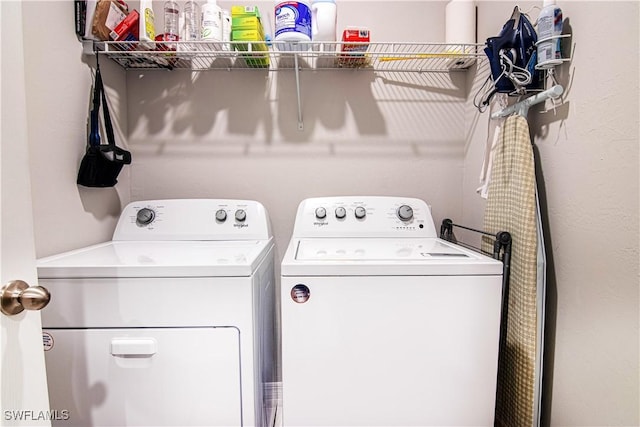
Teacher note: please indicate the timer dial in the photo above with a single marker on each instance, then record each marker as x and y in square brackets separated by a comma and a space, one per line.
[405, 212]
[221, 215]
[241, 215]
[145, 216]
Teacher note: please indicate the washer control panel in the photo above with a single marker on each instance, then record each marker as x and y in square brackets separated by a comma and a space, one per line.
[193, 219]
[374, 216]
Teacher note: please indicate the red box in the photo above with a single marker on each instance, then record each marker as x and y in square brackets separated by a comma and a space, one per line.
[127, 30]
[356, 55]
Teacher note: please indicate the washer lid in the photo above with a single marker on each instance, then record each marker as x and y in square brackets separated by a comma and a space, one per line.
[384, 257]
[158, 259]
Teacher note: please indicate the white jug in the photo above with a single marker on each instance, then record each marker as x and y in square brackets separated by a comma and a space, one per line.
[323, 20]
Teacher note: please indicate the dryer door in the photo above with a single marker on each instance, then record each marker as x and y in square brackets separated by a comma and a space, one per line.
[144, 376]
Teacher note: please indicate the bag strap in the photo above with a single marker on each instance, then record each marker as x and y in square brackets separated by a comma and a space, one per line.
[94, 134]
[107, 117]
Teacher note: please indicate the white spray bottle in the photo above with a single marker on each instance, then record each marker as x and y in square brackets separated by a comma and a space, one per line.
[549, 31]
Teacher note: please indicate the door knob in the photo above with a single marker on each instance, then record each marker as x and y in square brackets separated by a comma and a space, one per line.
[17, 296]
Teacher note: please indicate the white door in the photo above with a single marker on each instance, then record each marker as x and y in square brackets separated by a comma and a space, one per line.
[23, 387]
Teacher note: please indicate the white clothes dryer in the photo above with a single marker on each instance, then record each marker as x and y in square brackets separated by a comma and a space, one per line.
[383, 323]
[169, 324]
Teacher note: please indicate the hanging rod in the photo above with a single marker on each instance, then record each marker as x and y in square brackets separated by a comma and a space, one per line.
[522, 107]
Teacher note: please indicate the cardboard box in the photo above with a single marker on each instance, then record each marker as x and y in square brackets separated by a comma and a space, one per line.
[253, 60]
[107, 16]
[248, 36]
[127, 30]
[354, 55]
[245, 11]
[246, 23]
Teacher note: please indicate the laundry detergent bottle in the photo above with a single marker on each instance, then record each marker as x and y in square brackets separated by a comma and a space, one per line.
[549, 31]
[324, 15]
[293, 23]
[147, 29]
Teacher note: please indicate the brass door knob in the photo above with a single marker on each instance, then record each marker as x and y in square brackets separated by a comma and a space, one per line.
[17, 296]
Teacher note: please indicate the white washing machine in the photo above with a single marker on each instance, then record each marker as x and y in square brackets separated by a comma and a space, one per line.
[383, 323]
[169, 324]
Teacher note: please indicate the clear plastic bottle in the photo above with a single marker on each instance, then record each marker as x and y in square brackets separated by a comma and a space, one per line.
[171, 23]
[191, 21]
[226, 29]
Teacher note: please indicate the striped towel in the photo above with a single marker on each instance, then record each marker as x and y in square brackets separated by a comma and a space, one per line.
[511, 206]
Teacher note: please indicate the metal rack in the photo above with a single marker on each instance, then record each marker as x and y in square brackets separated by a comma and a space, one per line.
[394, 57]
[211, 56]
[501, 251]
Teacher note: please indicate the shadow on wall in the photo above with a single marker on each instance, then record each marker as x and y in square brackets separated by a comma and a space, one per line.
[184, 102]
[326, 98]
[101, 202]
[563, 75]
[551, 299]
[262, 106]
[193, 101]
[539, 128]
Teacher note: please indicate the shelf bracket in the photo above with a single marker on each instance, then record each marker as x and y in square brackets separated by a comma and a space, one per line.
[297, 71]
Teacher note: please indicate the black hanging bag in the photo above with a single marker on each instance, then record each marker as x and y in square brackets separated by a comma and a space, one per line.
[101, 163]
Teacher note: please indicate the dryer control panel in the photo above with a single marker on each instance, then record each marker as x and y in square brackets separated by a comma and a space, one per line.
[357, 216]
[193, 219]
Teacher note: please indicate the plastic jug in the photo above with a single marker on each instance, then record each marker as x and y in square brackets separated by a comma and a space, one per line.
[324, 14]
[293, 23]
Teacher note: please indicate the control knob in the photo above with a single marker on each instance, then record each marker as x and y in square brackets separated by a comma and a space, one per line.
[145, 216]
[221, 215]
[321, 213]
[360, 212]
[241, 215]
[341, 212]
[405, 212]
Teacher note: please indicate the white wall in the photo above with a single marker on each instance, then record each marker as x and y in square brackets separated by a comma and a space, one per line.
[234, 135]
[587, 156]
[59, 81]
[222, 134]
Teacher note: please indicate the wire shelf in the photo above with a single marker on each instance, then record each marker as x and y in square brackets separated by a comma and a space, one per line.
[276, 56]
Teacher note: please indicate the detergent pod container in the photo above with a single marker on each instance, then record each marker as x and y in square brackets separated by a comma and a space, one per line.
[512, 55]
[292, 24]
